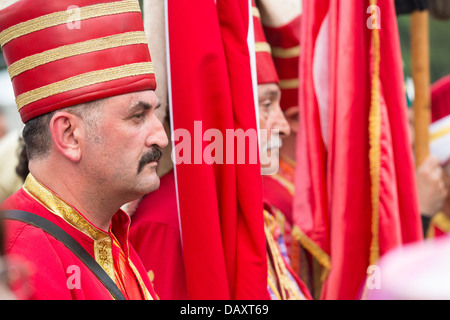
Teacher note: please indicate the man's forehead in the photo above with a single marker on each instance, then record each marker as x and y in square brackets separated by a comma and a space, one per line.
[147, 97]
[133, 102]
[143, 99]
[268, 90]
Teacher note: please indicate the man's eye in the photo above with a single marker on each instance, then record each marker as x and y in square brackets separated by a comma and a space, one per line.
[265, 104]
[139, 116]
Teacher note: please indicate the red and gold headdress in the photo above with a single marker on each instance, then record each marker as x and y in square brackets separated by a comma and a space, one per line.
[63, 53]
[439, 130]
[281, 25]
[265, 68]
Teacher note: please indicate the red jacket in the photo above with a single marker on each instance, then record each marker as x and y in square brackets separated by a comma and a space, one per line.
[155, 233]
[58, 273]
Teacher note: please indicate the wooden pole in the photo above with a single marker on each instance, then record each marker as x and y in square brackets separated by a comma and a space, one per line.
[420, 67]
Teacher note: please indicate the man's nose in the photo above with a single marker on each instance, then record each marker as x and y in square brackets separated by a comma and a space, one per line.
[157, 135]
[280, 123]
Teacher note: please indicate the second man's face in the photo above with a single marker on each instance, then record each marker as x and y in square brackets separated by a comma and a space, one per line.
[273, 126]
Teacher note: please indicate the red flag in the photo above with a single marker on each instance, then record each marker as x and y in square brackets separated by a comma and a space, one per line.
[355, 184]
[220, 205]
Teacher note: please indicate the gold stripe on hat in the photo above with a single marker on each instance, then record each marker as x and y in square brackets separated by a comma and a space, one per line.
[289, 84]
[440, 133]
[114, 41]
[292, 52]
[84, 80]
[61, 17]
[262, 47]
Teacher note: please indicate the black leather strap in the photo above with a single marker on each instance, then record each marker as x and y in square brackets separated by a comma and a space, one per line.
[52, 229]
[425, 224]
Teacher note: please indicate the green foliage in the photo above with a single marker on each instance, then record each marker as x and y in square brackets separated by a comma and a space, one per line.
[2, 61]
[439, 46]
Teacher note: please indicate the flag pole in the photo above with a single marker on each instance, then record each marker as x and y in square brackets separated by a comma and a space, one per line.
[420, 67]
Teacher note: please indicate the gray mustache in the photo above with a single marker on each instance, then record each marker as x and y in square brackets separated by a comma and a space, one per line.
[153, 155]
[274, 143]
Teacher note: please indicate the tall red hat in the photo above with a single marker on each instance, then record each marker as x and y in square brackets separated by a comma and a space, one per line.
[440, 118]
[265, 68]
[281, 25]
[440, 98]
[62, 53]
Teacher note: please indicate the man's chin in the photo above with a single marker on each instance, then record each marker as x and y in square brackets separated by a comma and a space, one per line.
[150, 183]
[148, 168]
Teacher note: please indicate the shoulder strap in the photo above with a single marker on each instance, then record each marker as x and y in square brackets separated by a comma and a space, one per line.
[52, 229]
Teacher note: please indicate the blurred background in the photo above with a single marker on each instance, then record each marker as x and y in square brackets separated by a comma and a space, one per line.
[439, 47]
[7, 102]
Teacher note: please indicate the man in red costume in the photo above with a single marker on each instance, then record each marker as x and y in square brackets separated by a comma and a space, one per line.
[272, 119]
[84, 86]
[355, 188]
[281, 24]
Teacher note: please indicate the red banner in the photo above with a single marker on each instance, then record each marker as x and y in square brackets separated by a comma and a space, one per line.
[355, 189]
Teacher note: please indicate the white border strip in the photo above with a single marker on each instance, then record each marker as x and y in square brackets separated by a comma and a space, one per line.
[170, 105]
[252, 54]
[6, 3]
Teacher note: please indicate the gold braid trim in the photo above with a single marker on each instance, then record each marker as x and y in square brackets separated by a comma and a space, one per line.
[144, 288]
[119, 274]
[287, 287]
[57, 206]
[61, 17]
[71, 50]
[441, 221]
[440, 133]
[374, 143]
[104, 257]
[289, 84]
[84, 80]
[292, 52]
[262, 47]
[321, 256]
[60, 208]
[288, 185]
[271, 277]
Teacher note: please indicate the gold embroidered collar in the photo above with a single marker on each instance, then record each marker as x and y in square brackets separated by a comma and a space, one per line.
[60, 208]
[57, 206]
[102, 240]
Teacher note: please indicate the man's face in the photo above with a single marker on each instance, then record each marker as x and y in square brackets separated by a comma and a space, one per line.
[273, 126]
[122, 154]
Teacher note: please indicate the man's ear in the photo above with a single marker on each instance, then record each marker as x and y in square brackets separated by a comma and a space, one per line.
[66, 130]
[292, 115]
